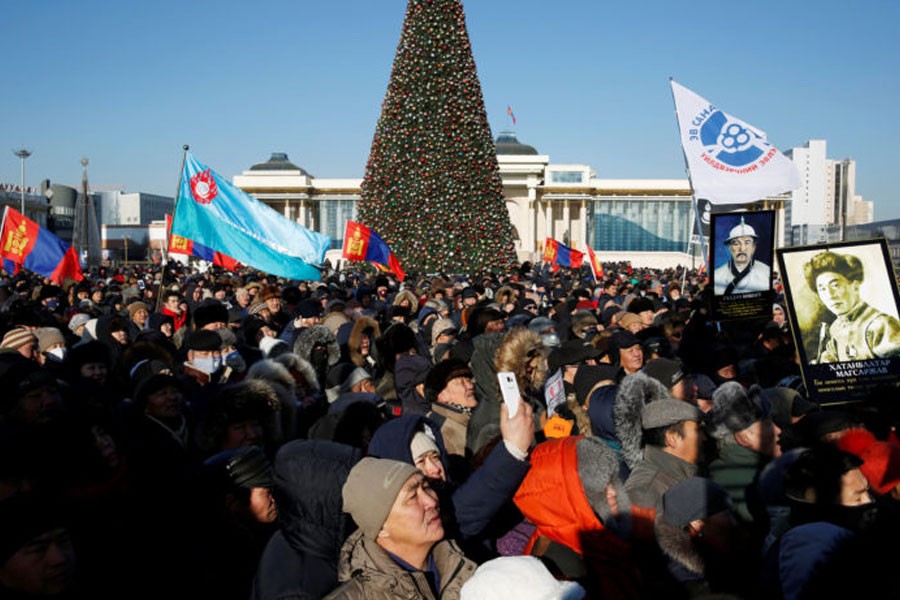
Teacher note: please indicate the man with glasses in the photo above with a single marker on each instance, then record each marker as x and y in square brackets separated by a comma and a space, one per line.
[742, 274]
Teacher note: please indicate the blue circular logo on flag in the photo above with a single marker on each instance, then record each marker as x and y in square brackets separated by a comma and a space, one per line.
[731, 142]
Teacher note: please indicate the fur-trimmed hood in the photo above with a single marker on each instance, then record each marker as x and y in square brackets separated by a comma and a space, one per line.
[406, 295]
[310, 336]
[360, 326]
[676, 543]
[513, 355]
[502, 291]
[294, 362]
[635, 391]
[278, 376]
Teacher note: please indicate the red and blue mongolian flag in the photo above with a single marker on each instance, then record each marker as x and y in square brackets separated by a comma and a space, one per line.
[557, 253]
[24, 243]
[361, 243]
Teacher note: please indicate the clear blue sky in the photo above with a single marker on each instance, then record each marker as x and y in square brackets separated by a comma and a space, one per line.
[128, 83]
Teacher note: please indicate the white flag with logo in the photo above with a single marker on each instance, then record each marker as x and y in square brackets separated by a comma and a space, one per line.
[730, 161]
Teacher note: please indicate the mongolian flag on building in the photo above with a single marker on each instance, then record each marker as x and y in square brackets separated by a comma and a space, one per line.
[595, 264]
[363, 244]
[182, 245]
[24, 243]
[557, 253]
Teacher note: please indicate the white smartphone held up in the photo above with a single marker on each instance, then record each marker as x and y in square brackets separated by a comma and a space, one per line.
[510, 390]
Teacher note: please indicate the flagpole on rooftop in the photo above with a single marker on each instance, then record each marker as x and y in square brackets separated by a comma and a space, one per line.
[165, 257]
[687, 168]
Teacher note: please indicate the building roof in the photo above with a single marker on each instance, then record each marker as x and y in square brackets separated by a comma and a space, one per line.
[278, 162]
[507, 143]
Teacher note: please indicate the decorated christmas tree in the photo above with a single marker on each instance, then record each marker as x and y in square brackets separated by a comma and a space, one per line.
[432, 188]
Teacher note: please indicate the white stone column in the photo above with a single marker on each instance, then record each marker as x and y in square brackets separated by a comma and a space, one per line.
[582, 217]
[302, 216]
[548, 220]
[567, 221]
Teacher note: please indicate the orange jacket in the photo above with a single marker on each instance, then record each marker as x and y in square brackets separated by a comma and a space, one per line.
[552, 497]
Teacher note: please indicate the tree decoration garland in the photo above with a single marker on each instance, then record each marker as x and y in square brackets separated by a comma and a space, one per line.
[432, 188]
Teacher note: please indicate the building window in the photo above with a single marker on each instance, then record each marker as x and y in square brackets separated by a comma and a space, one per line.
[566, 177]
[640, 225]
[335, 214]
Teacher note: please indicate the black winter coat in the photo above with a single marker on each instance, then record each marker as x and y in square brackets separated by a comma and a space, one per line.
[300, 561]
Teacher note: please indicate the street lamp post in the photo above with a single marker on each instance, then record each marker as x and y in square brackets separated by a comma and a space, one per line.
[22, 153]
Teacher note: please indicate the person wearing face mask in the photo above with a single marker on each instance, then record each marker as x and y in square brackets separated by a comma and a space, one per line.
[545, 328]
[831, 506]
[230, 355]
[49, 298]
[204, 355]
[51, 347]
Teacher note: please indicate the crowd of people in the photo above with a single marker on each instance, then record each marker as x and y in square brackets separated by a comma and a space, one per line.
[166, 432]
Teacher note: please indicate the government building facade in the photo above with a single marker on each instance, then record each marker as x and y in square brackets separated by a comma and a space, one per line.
[649, 222]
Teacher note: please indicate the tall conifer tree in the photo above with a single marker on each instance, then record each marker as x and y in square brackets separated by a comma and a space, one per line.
[432, 188]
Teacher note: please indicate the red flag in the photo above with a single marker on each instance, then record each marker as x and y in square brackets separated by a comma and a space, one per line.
[596, 265]
[510, 113]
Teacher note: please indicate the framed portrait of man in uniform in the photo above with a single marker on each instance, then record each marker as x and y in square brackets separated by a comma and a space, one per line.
[843, 304]
[741, 251]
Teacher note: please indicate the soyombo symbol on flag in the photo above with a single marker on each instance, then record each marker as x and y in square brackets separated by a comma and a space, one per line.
[213, 212]
[361, 243]
[562, 255]
[24, 242]
[729, 160]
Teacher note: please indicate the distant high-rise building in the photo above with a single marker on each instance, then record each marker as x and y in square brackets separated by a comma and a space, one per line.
[826, 196]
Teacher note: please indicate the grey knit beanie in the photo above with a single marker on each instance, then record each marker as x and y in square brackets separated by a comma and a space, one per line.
[371, 488]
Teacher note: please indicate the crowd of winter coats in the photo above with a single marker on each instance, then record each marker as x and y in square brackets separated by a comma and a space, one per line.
[190, 434]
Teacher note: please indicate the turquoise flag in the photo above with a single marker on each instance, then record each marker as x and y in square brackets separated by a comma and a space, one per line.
[217, 214]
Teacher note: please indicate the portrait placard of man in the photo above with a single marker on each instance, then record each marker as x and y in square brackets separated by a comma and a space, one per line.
[740, 268]
[741, 252]
[859, 331]
[843, 302]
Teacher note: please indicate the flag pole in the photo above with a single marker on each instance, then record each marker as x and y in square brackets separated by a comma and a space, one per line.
[3, 226]
[687, 168]
[184, 149]
[3, 221]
